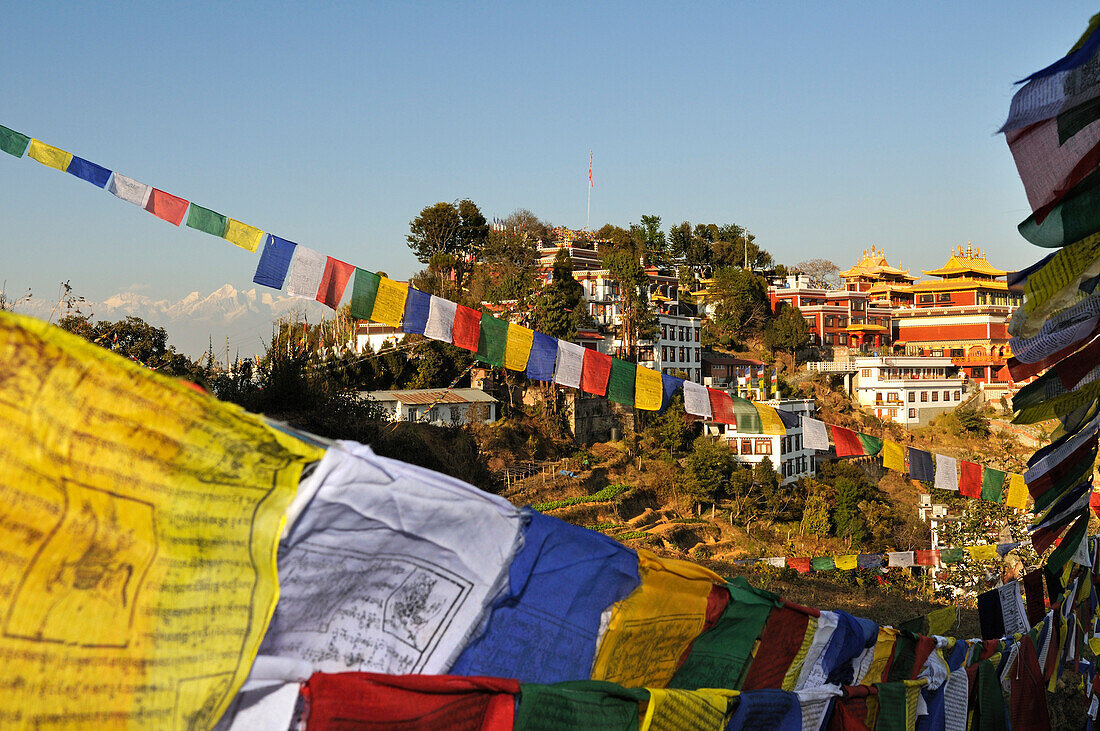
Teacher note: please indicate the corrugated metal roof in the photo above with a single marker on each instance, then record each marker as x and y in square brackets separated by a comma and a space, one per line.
[431, 395]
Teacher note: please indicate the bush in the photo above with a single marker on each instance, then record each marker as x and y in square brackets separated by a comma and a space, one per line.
[707, 469]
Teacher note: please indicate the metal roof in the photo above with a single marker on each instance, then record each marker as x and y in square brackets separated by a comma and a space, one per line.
[432, 395]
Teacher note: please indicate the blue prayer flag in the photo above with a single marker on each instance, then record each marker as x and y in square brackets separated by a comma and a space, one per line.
[540, 364]
[97, 175]
[849, 640]
[773, 709]
[869, 560]
[417, 304]
[670, 385]
[274, 262]
[543, 629]
[920, 465]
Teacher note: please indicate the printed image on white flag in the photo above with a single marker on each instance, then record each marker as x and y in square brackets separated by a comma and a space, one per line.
[129, 190]
[947, 473]
[306, 271]
[814, 434]
[567, 370]
[389, 567]
[696, 400]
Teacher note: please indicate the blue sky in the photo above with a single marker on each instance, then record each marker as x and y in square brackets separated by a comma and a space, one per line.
[822, 129]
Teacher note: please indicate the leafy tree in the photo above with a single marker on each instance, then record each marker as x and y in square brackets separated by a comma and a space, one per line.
[815, 516]
[651, 240]
[636, 318]
[788, 330]
[707, 469]
[847, 519]
[820, 273]
[135, 339]
[741, 306]
[972, 421]
[711, 245]
[448, 236]
[668, 431]
[560, 309]
[685, 286]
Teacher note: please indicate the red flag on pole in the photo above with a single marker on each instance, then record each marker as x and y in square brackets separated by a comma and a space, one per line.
[590, 168]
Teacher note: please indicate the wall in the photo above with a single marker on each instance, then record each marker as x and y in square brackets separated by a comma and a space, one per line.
[591, 419]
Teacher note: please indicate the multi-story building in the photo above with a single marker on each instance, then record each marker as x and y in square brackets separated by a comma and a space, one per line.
[677, 347]
[745, 377]
[851, 317]
[906, 389]
[788, 455]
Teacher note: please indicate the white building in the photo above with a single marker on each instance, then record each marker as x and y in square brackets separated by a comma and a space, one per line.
[910, 390]
[788, 455]
[437, 406]
[375, 335]
[677, 347]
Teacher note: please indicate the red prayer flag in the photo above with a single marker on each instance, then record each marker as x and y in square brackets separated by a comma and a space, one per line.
[926, 557]
[333, 282]
[847, 442]
[1094, 503]
[167, 206]
[467, 328]
[595, 370]
[970, 479]
[779, 643]
[801, 565]
[721, 407]
[353, 700]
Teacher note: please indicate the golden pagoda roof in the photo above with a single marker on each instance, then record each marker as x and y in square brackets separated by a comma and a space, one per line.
[873, 264]
[970, 261]
[887, 287]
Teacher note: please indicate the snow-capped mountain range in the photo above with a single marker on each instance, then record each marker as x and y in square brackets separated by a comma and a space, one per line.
[245, 316]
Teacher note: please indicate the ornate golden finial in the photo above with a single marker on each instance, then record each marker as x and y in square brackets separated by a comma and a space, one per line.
[969, 251]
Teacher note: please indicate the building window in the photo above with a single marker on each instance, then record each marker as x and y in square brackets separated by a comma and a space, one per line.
[943, 297]
[892, 413]
[912, 413]
[763, 446]
[924, 298]
[746, 446]
[923, 396]
[912, 396]
[866, 373]
[958, 395]
[696, 334]
[732, 443]
[935, 395]
[946, 395]
[697, 352]
[977, 372]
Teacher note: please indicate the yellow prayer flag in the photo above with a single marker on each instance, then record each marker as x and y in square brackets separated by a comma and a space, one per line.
[1017, 492]
[988, 552]
[912, 694]
[651, 628]
[770, 423]
[941, 621]
[139, 540]
[245, 236]
[648, 389]
[884, 650]
[791, 677]
[50, 156]
[672, 709]
[847, 563]
[893, 456]
[517, 348]
[389, 303]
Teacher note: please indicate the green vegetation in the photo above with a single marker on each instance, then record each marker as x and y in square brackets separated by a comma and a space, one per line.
[605, 495]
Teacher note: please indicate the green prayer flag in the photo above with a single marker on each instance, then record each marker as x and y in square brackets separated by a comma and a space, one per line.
[748, 418]
[719, 657]
[871, 445]
[1073, 477]
[12, 142]
[364, 288]
[993, 482]
[620, 386]
[823, 563]
[1074, 218]
[990, 711]
[1071, 540]
[492, 340]
[951, 555]
[895, 701]
[593, 704]
[206, 220]
[905, 655]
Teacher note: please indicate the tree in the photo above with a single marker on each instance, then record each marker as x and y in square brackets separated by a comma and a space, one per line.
[707, 469]
[636, 319]
[711, 245]
[652, 241]
[135, 339]
[508, 261]
[560, 309]
[815, 516]
[448, 236]
[820, 273]
[788, 330]
[741, 306]
[669, 430]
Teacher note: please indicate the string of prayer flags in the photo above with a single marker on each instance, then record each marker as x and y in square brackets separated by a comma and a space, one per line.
[920, 465]
[12, 142]
[466, 330]
[389, 302]
[88, 171]
[648, 389]
[517, 349]
[242, 235]
[570, 364]
[166, 206]
[129, 190]
[721, 407]
[364, 290]
[696, 400]
[48, 155]
[595, 370]
[306, 271]
[947, 474]
[333, 282]
[540, 363]
[620, 384]
[210, 222]
[492, 340]
[274, 262]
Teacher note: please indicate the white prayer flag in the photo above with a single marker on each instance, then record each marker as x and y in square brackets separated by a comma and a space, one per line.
[815, 703]
[1012, 608]
[129, 190]
[389, 568]
[814, 434]
[567, 370]
[956, 693]
[441, 319]
[306, 271]
[696, 399]
[901, 559]
[778, 561]
[814, 673]
[947, 473]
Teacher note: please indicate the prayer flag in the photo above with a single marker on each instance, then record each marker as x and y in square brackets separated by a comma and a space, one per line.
[1036, 596]
[49, 155]
[767, 708]
[129, 190]
[893, 456]
[620, 385]
[517, 348]
[569, 365]
[580, 704]
[927, 557]
[648, 389]
[705, 708]
[847, 562]
[304, 278]
[721, 407]
[333, 281]
[1050, 166]
[869, 560]
[823, 563]
[770, 423]
[800, 564]
[987, 552]
[466, 332]
[97, 175]
[540, 364]
[901, 559]
[492, 340]
[559, 583]
[389, 303]
[418, 306]
[780, 642]
[814, 434]
[989, 615]
[441, 319]
[595, 370]
[748, 418]
[274, 262]
[871, 445]
[669, 386]
[951, 555]
[992, 485]
[364, 289]
[208, 221]
[696, 400]
[167, 206]
[12, 142]
[920, 465]
[242, 235]
[1068, 218]
[1017, 492]
[656, 624]
[846, 441]
[970, 479]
